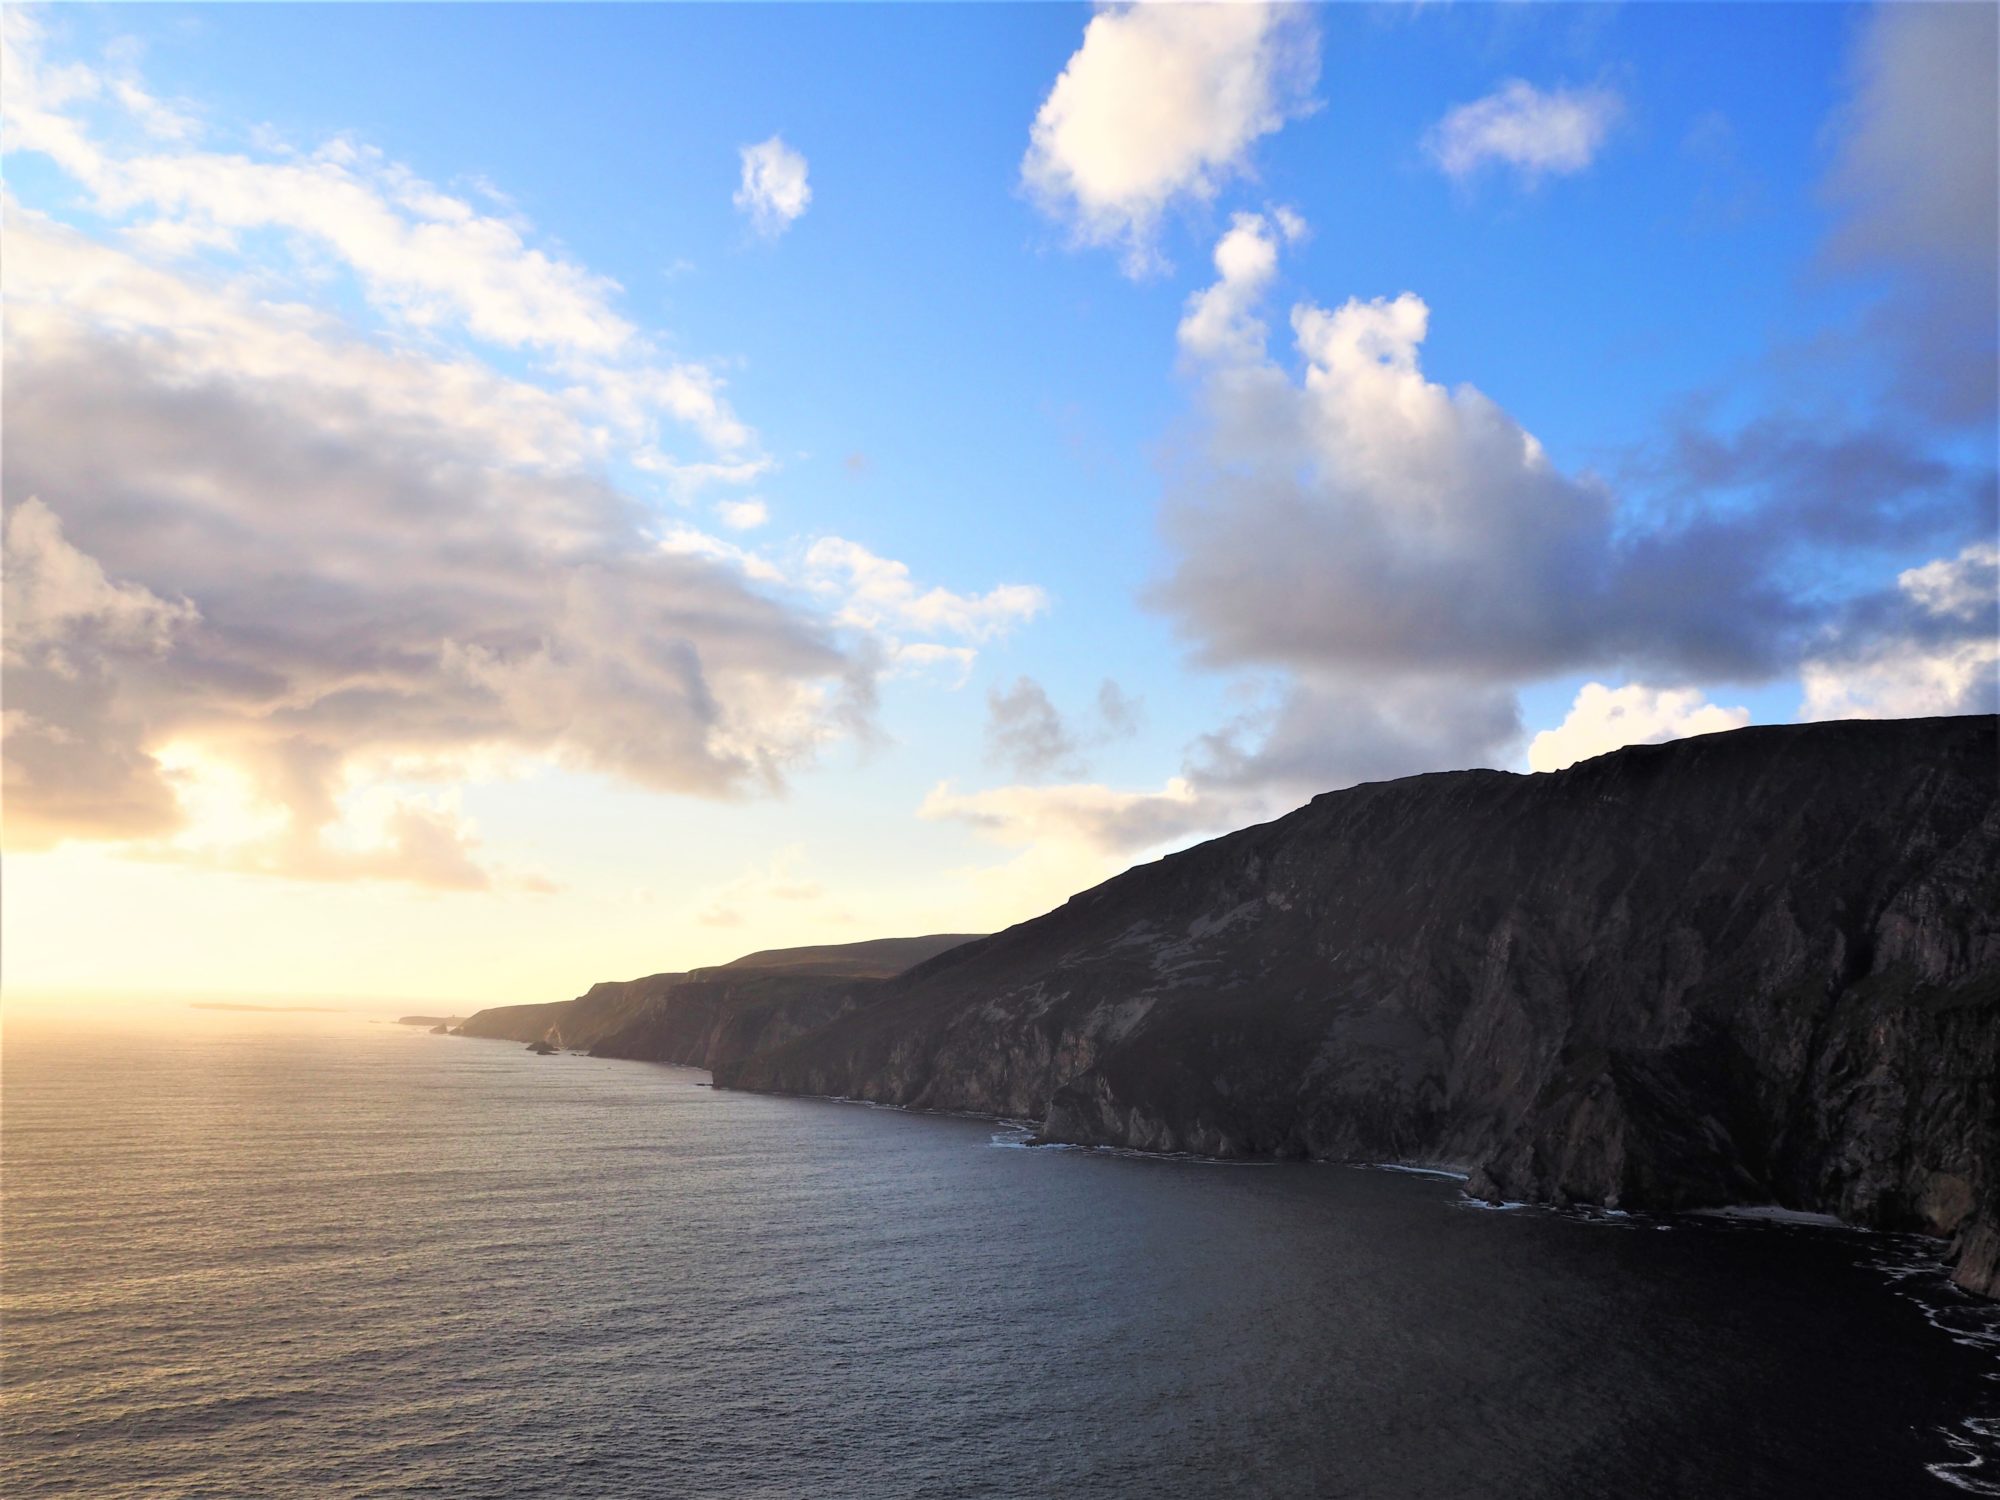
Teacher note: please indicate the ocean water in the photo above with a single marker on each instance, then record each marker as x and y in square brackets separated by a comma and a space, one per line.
[364, 1260]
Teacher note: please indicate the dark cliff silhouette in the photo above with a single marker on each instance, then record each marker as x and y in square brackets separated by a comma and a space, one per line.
[1753, 967]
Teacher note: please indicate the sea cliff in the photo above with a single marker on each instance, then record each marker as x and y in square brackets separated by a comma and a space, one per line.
[1760, 967]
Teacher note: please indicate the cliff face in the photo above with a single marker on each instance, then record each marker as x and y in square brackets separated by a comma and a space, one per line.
[575, 1024]
[1761, 966]
[733, 1009]
[722, 1014]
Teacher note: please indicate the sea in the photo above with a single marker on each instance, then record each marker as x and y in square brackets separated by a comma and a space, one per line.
[279, 1255]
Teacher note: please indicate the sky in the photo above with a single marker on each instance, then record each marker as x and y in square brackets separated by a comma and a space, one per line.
[502, 497]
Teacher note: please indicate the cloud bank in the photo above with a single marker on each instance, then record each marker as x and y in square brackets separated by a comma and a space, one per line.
[326, 574]
[315, 558]
[1919, 160]
[1393, 560]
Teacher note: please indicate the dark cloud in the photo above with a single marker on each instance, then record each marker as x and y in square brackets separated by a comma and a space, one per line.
[1918, 180]
[1118, 712]
[1783, 480]
[1026, 734]
[1327, 734]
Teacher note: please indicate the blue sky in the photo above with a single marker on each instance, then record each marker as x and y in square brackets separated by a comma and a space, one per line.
[1718, 261]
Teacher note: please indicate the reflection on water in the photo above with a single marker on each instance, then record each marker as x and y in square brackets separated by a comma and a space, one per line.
[278, 1258]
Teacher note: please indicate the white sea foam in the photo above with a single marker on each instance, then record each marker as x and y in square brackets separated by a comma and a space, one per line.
[1976, 1441]
[1916, 1271]
[1412, 1171]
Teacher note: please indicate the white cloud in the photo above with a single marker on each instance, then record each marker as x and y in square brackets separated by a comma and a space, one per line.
[1954, 588]
[373, 832]
[693, 542]
[1163, 102]
[1943, 657]
[427, 261]
[155, 117]
[774, 191]
[1220, 324]
[685, 481]
[743, 515]
[952, 664]
[875, 597]
[1603, 719]
[1518, 125]
[878, 594]
[1904, 679]
[60, 286]
[1363, 517]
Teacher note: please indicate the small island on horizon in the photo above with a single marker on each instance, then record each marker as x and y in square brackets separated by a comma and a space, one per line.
[245, 1005]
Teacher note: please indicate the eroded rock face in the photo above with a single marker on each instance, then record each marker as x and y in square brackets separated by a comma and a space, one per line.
[1759, 967]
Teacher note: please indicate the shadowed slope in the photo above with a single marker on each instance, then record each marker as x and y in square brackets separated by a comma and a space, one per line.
[750, 1002]
[1761, 966]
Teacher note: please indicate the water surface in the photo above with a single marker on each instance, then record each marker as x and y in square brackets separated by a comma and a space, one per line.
[369, 1261]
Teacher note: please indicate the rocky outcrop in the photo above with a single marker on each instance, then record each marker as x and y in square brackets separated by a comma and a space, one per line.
[1975, 1255]
[1754, 967]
